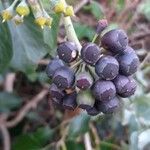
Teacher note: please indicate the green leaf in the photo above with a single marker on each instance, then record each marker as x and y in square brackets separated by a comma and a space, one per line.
[71, 145]
[9, 101]
[142, 105]
[144, 8]
[50, 35]
[95, 9]
[5, 47]
[28, 45]
[84, 31]
[33, 141]
[79, 125]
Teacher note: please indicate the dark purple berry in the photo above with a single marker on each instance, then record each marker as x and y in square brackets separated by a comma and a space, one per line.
[69, 101]
[67, 51]
[85, 100]
[115, 40]
[64, 78]
[102, 24]
[93, 111]
[125, 86]
[53, 66]
[128, 62]
[108, 107]
[90, 53]
[56, 94]
[84, 81]
[129, 50]
[107, 67]
[103, 90]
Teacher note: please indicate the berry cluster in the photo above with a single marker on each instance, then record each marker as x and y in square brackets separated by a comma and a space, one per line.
[94, 79]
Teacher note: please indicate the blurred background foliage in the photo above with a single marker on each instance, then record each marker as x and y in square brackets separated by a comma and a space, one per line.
[25, 51]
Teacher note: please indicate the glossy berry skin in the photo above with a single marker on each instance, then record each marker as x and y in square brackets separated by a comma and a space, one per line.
[125, 86]
[129, 50]
[69, 101]
[64, 78]
[84, 81]
[115, 40]
[53, 66]
[128, 62]
[107, 67]
[56, 94]
[103, 90]
[67, 51]
[93, 111]
[90, 53]
[108, 107]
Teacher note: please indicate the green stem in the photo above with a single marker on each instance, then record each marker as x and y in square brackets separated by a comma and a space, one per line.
[94, 38]
[14, 3]
[77, 63]
[110, 145]
[71, 34]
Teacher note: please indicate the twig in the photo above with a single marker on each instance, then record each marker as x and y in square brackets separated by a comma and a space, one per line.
[43, 62]
[32, 104]
[6, 137]
[9, 82]
[144, 61]
[96, 137]
[87, 142]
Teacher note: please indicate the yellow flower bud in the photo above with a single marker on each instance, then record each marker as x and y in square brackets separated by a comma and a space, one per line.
[59, 7]
[49, 21]
[7, 14]
[40, 21]
[23, 9]
[18, 20]
[69, 11]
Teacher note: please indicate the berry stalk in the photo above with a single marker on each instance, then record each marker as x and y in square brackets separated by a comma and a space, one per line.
[71, 34]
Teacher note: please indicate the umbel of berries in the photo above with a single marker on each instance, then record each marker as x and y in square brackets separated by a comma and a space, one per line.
[90, 79]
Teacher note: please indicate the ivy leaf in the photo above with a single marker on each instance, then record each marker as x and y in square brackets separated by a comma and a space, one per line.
[33, 141]
[9, 101]
[50, 35]
[144, 8]
[5, 47]
[84, 31]
[79, 125]
[95, 9]
[28, 45]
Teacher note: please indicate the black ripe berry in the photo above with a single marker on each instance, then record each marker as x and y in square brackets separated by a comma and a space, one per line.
[67, 51]
[128, 62]
[125, 86]
[90, 53]
[52, 66]
[64, 78]
[56, 94]
[107, 67]
[115, 40]
[103, 90]
[108, 107]
[84, 81]
[92, 111]
[129, 50]
[69, 101]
